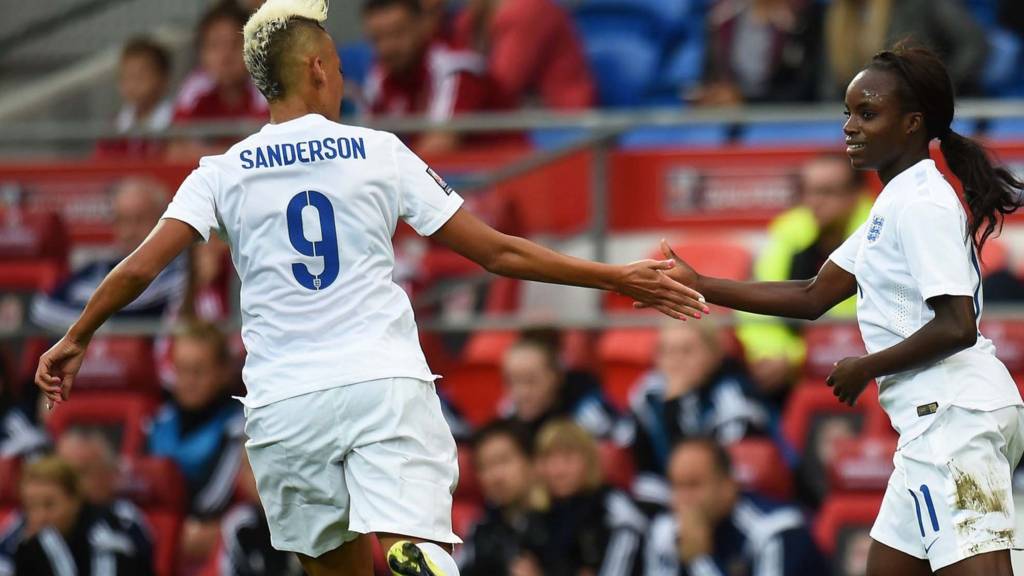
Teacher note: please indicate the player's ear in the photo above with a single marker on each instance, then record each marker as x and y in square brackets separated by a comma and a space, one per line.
[318, 74]
[912, 122]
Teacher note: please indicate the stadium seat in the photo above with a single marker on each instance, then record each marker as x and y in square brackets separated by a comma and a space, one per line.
[356, 61]
[718, 257]
[33, 251]
[683, 66]
[823, 132]
[1008, 337]
[843, 512]
[475, 385]
[553, 138]
[995, 256]
[503, 295]
[469, 487]
[812, 401]
[158, 488]
[464, 516]
[828, 344]
[1004, 64]
[665, 15]
[617, 465]
[1006, 129]
[119, 363]
[37, 276]
[862, 464]
[120, 415]
[623, 356]
[759, 467]
[10, 473]
[624, 66]
[657, 137]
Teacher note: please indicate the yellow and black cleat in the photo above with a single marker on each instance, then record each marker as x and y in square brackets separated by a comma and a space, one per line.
[406, 559]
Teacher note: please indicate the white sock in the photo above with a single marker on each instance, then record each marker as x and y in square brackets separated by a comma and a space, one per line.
[440, 558]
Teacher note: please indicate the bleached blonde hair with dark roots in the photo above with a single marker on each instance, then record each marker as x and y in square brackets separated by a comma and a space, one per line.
[272, 17]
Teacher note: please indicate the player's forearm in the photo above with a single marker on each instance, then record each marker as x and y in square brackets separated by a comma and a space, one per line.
[123, 285]
[527, 260]
[790, 298]
[935, 341]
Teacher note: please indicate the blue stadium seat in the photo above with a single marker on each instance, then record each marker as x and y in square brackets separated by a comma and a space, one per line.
[683, 66]
[965, 127]
[624, 66]
[600, 23]
[1004, 69]
[666, 14]
[356, 61]
[694, 135]
[1006, 129]
[788, 133]
[551, 138]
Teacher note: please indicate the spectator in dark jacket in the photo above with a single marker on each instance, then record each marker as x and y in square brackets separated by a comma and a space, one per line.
[200, 428]
[511, 535]
[695, 390]
[65, 534]
[538, 389]
[591, 527]
[714, 530]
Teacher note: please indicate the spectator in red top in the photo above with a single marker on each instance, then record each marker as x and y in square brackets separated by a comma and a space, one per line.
[143, 79]
[532, 49]
[415, 76]
[439, 20]
[221, 88]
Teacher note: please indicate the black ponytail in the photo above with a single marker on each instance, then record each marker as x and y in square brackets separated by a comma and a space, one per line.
[991, 191]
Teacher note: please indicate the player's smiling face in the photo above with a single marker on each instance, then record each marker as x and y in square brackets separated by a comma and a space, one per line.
[877, 129]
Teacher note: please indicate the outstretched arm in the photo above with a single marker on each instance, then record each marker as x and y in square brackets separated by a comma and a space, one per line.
[805, 299]
[58, 366]
[519, 258]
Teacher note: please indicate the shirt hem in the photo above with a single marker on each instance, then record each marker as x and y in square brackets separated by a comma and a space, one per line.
[266, 400]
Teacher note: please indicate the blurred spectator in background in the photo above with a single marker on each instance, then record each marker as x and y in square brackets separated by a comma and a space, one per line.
[137, 205]
[532, 51]
[856, 29]
[200, 428]
[834, 204]
[439, 21]
[759, 51]
[414, 75]
[65, 534]
[695, 390]
[538, 389]
[591, 528]
[511, 535]
[92, 457]
[21, 435]
[812, 470]
[714, 530]
[144, 77]
[221, 88]
[245, 536]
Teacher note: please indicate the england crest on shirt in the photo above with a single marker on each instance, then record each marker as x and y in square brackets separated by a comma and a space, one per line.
[875, 229]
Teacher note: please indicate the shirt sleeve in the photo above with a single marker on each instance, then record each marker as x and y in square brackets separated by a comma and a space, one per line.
[193, 203]
[846, 255]
[933, 238]
[426, 201]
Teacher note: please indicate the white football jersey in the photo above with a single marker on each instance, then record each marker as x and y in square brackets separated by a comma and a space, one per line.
[914, 246]
[309, 207]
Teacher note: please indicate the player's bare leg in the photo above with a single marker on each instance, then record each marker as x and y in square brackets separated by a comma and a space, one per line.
[414, 561]
[354, 558]
[995, 563]
[887, 561]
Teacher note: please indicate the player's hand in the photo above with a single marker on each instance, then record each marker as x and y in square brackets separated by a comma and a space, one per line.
[848, 379]
[682, 272]
[646, 282]
[57, 369]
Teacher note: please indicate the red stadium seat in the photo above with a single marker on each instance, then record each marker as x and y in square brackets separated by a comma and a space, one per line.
[10, 475]
[464, 516]
[469, 487]
[862, 464]
[828, 344]
[758, 466]
[617, 465]
[36, 276]
[718, 257]
[624, 355]
[842, 512]
[1008, 336]
[475, 385]
[35, 236]
[122, 415]
[503, 295]
[813, 400]
[158, 488]
[119, 363]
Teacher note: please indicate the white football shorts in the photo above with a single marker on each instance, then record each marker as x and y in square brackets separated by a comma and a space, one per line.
[950, 496]
[370, 457]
